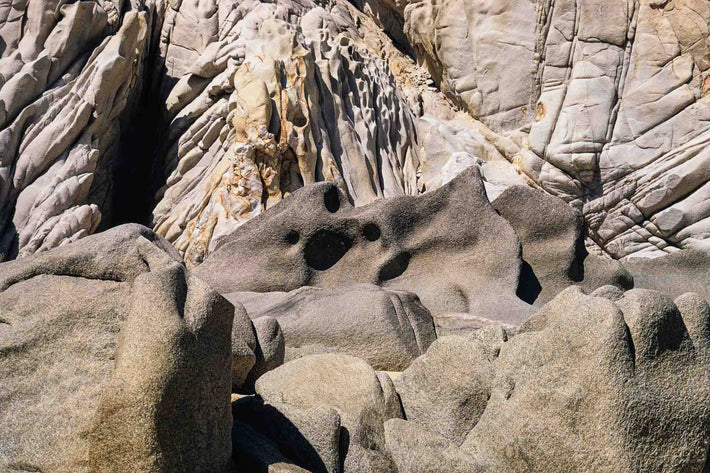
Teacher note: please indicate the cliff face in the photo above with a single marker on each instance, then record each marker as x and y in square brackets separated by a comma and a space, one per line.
[196, 116]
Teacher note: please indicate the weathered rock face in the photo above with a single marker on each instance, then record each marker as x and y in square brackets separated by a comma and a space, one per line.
[286, 95]
[387, 329]
[449, 247]
[346, 384]
[602, 380]
[67, 79]
[447, 389]
[611, 97]
[552, 237]
[600, 102]
[112, 359]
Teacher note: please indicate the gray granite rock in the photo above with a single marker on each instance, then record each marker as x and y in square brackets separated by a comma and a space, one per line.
[113, 359]
[448, 246]
[601, 379]
[386, 328]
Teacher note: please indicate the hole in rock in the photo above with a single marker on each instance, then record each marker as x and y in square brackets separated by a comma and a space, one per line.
[371, 232]
[529, 286]
[325, 248]
[331, 199]
[395, 267]
[292, 237]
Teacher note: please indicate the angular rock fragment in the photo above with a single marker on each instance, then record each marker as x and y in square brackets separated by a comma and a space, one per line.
[386, 328]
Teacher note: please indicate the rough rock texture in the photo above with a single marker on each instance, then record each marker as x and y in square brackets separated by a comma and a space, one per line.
[415, 449]
[69, 74]
[308, 437]
[285, 95]
[593, 385]
[554, 256]
[448, 246]
[79, 396]
[232, 105]
[341, 382]
[611, 98]
[675, 274]
[388, 329]
[447, 390]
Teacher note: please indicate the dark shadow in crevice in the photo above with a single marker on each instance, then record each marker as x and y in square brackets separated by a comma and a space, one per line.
[279, 431]
[529, 287]
[395, 267]
[331, 200]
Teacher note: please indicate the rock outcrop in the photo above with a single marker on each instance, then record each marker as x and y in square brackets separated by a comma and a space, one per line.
[449, 247]
[113, 359]
[611, 98]
[621, 384]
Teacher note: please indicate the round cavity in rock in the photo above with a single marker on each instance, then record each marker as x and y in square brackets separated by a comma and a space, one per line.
[331, 199]
[292, 237]
[394, 267]
[325, 248]
[371, 232]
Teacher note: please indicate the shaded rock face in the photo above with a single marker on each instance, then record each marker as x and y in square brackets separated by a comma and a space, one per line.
[387, 329]
[554, 256]
[112, 359]
[601, 379]
[449, 247]
[349, 386]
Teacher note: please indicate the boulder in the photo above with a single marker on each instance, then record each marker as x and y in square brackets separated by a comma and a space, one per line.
[308, 437]
[554, 257]
[414, 449]
[113, 359]
[341, 382]
[595, 385]
[447, 389]
[448, 246]
[253, 452]
[386, 328]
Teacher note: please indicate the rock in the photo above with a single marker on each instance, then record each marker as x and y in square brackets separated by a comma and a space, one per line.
[285, 95]
[554, 256]
[393, 405]
[341, 382]
[392, 327]
[65, 86]
[600, 379]
[447, 389]
[165, 407]
[244, 347]
[448, 246]
[675, 274]
[254, 452]
[270, 348]
[113, 359]
[415, 449]
[308, 437]
[586, 104]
